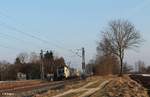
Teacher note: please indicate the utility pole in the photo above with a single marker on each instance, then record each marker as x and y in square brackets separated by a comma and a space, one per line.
[83, 60]
[42, 65]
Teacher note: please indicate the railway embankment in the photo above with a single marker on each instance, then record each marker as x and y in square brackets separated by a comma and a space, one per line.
[122, 87]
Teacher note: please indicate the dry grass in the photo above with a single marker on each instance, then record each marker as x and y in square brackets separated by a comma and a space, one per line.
[75, 85]
[69, 85]
[96, 84]
[74, 94]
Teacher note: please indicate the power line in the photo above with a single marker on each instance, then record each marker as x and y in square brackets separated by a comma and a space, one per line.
[16, 38]
[33, 36]
[26, 34]
[8, 47]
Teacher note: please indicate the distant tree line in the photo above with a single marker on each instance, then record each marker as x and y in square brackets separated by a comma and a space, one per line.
[30, 65]
[142, 68]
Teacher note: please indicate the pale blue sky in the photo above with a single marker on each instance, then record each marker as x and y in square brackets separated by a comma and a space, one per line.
[70, 24]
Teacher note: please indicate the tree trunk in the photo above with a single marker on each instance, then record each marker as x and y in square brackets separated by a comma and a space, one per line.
[121, 61]
[121, 66]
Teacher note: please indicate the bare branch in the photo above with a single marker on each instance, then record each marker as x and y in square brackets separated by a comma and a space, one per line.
[119, 36]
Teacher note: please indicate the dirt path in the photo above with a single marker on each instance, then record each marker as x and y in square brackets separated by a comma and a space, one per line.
[89, 91]
[93, 90]
[76, 90]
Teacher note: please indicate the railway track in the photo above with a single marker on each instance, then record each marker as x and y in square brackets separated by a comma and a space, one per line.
[30, 90]
[14, 84]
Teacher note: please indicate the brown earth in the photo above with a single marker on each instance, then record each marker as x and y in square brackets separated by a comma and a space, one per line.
[122, 87]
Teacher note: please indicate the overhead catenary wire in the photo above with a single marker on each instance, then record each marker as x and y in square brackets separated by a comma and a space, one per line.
[16, 38]
[14, 28]
[27, 34]
[11, 47]
[24, 33]
[34, 37]
[8, 47]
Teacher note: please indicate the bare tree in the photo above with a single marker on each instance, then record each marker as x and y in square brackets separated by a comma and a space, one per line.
[106, 64]
[23, 57]
[34, 58]
[121, 35]
[141, 66]
[106, 61]
[127, 68]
